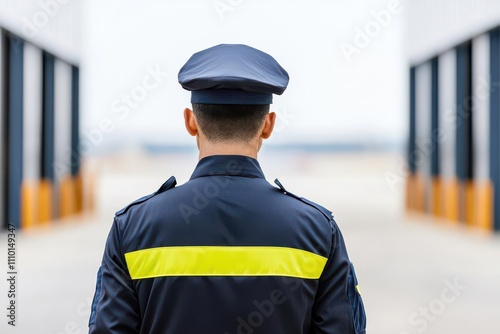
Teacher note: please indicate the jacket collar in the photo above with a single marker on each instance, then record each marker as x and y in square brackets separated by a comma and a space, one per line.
[229, 165]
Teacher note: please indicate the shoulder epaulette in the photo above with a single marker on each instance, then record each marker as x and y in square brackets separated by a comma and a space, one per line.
[169, 184]
[327, 213]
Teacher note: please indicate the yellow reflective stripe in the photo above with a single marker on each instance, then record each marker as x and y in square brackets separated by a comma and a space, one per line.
[224, 261]
[357, 288]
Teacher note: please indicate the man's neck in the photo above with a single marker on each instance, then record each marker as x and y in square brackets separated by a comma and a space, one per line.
[246, 149]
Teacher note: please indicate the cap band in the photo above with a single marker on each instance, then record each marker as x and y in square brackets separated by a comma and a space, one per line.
[230, 96]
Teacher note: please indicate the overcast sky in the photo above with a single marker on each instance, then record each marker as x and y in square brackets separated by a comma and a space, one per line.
[345, 85]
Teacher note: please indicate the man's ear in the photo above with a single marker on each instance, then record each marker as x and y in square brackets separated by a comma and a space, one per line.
[268, 125]
[190, 122]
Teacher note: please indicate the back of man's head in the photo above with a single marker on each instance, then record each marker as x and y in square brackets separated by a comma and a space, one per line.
[230, 122]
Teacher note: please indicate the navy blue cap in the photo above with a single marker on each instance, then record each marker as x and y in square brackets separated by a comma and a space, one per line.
[233, 74]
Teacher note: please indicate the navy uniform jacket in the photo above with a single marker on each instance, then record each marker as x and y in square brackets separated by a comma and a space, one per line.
[226, 253]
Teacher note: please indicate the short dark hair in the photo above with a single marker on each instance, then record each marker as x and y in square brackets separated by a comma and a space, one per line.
[230, 122]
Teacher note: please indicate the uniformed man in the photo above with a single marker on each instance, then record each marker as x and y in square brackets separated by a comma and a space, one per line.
[227, 252]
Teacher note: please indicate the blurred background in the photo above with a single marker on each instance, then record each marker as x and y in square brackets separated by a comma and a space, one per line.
[391, 120]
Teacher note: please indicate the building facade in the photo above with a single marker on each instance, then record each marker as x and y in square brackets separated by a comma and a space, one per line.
[40, 161]
[454, 104]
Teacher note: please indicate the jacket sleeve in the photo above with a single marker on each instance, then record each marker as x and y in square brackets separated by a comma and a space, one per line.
[115, 306]
[338, 307]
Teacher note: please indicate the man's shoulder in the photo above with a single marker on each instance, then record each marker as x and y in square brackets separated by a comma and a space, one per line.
[167, 185]
[328, 215]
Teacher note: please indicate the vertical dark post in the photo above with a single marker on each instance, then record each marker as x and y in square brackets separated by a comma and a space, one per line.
[437, 203]
[75, 140]
[75, 121]
[15, 130]
[47, 171]
[412, 168]
[46, 203]
[435, 170]
[464, 154]
[3, 130]
[412, 131]
[495, 124]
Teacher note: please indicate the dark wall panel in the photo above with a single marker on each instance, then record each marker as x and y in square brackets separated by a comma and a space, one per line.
[495, 123]
[412, 131]
[75, 121]
[15, 129]
[435, 171]
[464, 154]
[47, 166]
[3, 130]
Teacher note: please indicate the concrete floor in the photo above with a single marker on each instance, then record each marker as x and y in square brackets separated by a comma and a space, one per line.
[405, 264]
